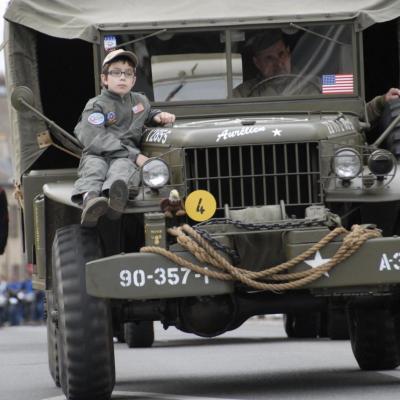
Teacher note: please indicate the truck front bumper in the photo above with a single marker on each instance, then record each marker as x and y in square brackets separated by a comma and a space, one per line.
[376, 263]
[148, 276]
[374, 266]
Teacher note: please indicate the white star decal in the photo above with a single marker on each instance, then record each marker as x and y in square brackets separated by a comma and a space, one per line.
[277, 132]
[317, 261]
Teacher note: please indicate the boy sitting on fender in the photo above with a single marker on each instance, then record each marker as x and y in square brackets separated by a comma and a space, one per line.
[110, 130]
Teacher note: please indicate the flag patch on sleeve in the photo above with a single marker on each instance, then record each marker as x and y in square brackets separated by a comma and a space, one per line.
[138, 108]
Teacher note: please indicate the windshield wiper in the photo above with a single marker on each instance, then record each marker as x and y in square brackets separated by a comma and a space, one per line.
[174, 91]
[318, 34]
[141, 38]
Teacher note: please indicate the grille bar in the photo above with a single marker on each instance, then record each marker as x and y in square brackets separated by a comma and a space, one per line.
[263, 172]
[256, 175]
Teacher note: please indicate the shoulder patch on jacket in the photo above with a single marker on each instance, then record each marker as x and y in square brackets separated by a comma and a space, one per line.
[96, 118]
[111, 118]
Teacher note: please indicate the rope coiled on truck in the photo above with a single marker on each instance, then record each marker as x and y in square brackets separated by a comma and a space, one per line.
[265, 279]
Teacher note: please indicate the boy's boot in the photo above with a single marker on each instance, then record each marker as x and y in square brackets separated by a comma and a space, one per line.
[118, 197]
[93, 208]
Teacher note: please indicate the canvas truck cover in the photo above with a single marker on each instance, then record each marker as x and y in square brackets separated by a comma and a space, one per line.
[84, 20]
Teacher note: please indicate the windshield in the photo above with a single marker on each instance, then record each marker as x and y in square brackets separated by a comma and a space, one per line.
[295, 60]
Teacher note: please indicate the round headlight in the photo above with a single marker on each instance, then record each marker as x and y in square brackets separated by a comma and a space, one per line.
[381, 162]
[347, 163]
[155, 173]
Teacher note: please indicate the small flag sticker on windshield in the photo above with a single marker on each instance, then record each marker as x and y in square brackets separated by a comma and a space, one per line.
[110, 42]
[337, 84]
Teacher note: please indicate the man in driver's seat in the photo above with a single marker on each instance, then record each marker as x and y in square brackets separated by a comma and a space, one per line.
[271, 56]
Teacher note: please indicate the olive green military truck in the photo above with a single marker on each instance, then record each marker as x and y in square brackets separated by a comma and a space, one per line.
[284, 201]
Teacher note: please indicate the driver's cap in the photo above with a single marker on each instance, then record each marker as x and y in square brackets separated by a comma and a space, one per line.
[266, 39]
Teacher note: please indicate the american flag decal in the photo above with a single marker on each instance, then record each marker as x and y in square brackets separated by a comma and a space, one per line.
[337, 84]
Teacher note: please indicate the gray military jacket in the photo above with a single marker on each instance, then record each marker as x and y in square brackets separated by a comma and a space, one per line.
[111, 126]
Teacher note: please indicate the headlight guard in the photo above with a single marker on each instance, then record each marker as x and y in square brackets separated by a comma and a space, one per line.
[381, 162]
[155, 173]
[347, 163]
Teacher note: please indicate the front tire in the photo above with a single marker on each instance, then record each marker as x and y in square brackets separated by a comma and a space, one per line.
[374, 337]
[85, 338]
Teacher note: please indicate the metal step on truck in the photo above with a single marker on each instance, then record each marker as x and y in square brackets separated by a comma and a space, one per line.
[273, 191]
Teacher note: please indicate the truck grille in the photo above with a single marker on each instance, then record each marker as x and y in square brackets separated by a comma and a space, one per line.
[256, 175]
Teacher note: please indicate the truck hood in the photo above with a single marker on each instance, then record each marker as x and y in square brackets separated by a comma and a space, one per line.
[239, 131]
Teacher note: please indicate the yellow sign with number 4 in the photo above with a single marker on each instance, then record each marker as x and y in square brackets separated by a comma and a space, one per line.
[200, 205]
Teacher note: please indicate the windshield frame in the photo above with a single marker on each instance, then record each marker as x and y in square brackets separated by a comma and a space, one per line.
[356, 48]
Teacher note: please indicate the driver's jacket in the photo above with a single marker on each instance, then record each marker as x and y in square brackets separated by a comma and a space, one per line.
[245, 88]
[254, 87]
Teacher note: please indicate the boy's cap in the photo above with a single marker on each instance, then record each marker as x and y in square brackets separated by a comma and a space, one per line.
[119, 53]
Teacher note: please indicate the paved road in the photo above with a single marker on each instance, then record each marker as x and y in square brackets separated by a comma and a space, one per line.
[253, 362]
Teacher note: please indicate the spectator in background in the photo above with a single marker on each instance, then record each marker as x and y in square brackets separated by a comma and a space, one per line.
[3, 220]
[28, 297]
[33, 300]
[15, 294]
[3, 300]
[38, 314]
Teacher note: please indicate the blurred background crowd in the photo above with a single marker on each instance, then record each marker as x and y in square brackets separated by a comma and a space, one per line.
[19, 302]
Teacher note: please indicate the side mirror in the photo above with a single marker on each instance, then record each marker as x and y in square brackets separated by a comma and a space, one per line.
[22, 98]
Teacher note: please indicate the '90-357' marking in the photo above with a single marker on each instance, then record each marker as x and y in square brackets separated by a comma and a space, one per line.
[161, 276]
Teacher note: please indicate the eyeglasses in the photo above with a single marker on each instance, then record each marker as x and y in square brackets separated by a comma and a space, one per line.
[116, 73]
